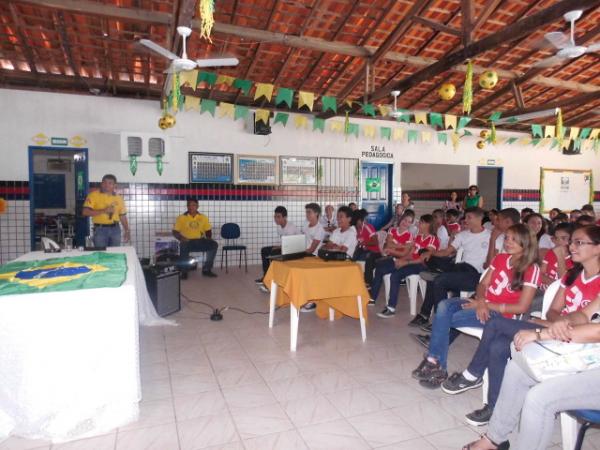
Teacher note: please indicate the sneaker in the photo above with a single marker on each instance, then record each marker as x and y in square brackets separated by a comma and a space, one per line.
[259, 281]
[371, 302]
[386, 313]
[457, 384]
[480, 417]
[263, 288]
[418, 321]
[428, 276]
[426, 328]
[422, 339]
[435, 380]
[309, 307]
[424, 370]
[209, 274]
[403, 282]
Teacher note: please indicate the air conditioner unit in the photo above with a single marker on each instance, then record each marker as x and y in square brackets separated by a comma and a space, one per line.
[144, 146]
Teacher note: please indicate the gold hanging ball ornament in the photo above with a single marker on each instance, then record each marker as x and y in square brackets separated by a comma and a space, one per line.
[447, 91]
[488, 79]
[161, 123]
[169, 120]
[484, 134]
[480, 145]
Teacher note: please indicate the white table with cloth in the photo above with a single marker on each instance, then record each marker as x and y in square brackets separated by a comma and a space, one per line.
[69, 360]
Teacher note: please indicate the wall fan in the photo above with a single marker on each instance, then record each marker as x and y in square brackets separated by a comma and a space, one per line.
[183, 63]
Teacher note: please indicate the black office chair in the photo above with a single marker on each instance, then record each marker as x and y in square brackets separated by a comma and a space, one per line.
[230, 232]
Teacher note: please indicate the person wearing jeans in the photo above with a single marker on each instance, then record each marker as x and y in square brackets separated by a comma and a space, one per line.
[507, 288]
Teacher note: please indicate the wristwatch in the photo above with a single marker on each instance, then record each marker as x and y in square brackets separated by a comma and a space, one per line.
[538, 334]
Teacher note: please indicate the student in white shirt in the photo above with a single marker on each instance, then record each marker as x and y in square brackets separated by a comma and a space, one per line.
[313, 231]
[440, 230]
[284, 228]
[344, 237]
[329, 220]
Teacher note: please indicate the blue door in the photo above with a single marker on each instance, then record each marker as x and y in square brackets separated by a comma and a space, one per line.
[376, 192]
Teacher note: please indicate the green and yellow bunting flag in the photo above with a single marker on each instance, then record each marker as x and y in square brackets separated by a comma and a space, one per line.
[281, 118]
[209, 78]
[243, 85]
[241, 112]
[284, 95]
[329, 103]
[318, 124]
[209, 106]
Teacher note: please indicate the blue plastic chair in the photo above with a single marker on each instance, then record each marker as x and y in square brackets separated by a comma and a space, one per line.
[230, 232]
[587, 417]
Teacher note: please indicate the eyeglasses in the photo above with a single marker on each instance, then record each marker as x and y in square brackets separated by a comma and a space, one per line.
[579, 243]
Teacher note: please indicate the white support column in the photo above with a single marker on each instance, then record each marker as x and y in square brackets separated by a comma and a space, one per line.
[272, 300]
[331, 314]
[363, 329]
[294, 319]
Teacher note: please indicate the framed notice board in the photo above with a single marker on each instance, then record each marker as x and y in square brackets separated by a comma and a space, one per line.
[211, 167]
[256, 169]
[565, 189]
[297, 170]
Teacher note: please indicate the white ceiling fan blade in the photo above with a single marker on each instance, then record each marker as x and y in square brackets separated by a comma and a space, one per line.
[217, 62]
[549, 62]
[558, 39]
[595, 47]
[172, 69]
[158, 49]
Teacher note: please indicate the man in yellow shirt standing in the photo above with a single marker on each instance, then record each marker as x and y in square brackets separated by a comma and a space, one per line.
[194, 233]
[107, 210]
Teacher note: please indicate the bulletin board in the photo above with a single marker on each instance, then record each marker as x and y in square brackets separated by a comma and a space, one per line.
[296, 170]
[256, 169]
[211, 167]
[565, 189]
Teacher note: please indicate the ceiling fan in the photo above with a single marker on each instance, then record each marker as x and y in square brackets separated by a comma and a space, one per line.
[568, 49]
[183, 63]
[395, 113]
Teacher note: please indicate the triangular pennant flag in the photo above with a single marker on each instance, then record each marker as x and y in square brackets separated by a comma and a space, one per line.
[263, 90]
[566, 143]
[450, 121]
[545, 141]
[262, 115]
[577, 144]
[281, 118]
[284, 95]
[337, 126]
[463, 122]
[442, 138]
[353, 128]
[349, 103]
[585, 132]
[536, 130]
[225, 79]
[468, 133]
[594, 134]
[574, 132]
[511, 140]
[398, 134]
[412, 135]
[385, 133]
[189, 78]
[329, 103]
[455, 141]
[209, 106]
[495, 116]
[243, 85]
[368, 109]
[306, 99]
[549, 131]
[300, 121]
[421, 117]
[369, 131]
[384, 110]
[319, 124]
[425, 137]
[192, 102]
[209, 78]
[226, 109]
[404, 116]
[241, 112]
[554, 143]
[535, 141]
[525, 141]
[435, 120]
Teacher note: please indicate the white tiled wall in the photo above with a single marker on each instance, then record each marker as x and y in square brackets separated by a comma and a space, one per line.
[14, 230]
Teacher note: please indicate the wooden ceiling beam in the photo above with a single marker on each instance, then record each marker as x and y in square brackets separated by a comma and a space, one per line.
[516, 90]
[467, 11]
[437, 26]
[25, 49]
[567, 102]
[485, 13]
[508, 34]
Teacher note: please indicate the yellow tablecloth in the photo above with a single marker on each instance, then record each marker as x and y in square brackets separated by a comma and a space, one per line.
[334, 284]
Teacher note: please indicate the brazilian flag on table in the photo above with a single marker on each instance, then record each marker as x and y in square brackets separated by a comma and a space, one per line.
[96, 270]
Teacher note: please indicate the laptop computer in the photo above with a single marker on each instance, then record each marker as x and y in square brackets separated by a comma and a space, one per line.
[292, 247]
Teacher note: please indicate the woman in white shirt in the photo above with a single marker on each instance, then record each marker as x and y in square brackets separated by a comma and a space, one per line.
[535, 222]
[343, 238]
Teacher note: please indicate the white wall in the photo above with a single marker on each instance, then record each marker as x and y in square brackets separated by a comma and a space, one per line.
[424, 176]
[26, 113]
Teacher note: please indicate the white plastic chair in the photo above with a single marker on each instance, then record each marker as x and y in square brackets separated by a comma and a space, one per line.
[413, 284]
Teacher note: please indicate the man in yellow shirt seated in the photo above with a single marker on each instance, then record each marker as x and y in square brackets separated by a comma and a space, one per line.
[107, 210]
[194, 233]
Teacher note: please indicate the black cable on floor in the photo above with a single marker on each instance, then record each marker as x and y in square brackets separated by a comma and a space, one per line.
[225, 308]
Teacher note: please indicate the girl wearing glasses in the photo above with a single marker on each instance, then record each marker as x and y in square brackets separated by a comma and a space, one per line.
[473, 198]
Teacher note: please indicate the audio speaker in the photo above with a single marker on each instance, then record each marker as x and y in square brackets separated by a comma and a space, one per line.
[164, 291]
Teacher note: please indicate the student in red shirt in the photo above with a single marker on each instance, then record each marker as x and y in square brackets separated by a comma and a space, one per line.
[452, 224]
[367, 248]
[507, 288]
[579, 286]
[409, 264]
[557, 260]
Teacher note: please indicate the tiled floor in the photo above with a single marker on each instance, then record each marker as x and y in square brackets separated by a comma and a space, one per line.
[234, 384]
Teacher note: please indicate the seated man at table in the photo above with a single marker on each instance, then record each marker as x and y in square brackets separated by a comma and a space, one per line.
[284, 228]
[343, 238]
[194, 233]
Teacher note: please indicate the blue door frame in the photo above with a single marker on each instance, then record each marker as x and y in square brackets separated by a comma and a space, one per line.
[81, 191]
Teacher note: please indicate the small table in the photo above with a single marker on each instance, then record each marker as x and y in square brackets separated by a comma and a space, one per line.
[337, 287]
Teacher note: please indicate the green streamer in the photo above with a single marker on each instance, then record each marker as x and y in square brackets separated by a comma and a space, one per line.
[159, 164]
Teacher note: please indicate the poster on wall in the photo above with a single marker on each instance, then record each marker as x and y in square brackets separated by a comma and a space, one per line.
[298, 170]
[211, 167]
[565, 189]
[256, 169]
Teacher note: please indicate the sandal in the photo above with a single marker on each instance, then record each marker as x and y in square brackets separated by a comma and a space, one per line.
[502, 446]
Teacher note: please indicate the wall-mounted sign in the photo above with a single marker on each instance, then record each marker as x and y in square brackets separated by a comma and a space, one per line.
[373, 184]
[78, 141]
[298, 170]
[377, 152]
[256, 169]
[62, 141]
[211, 167]
[40, 139]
